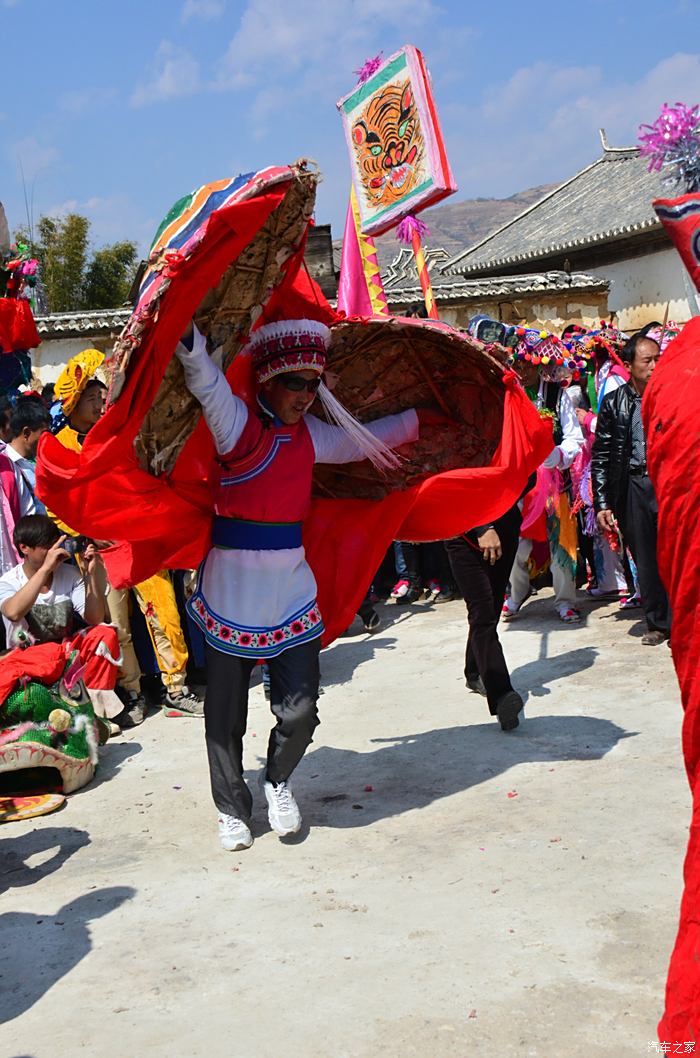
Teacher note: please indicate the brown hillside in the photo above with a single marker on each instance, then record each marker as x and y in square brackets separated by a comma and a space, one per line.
[458, 225]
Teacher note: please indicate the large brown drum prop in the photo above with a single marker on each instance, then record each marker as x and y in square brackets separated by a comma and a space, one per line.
[226, 316]
[385, 366]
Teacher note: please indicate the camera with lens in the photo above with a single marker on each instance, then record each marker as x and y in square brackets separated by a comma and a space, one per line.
[75, 545]
[488, 330]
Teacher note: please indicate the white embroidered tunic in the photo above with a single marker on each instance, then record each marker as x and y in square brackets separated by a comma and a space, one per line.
[256, 594]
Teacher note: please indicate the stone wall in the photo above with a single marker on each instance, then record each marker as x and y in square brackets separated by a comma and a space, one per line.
[553, 311]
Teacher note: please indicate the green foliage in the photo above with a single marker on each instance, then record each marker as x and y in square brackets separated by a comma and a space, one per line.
[72, 278]
[109, 275]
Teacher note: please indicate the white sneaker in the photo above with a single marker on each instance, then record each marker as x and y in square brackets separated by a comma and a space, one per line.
[234, 835]
[282, 810]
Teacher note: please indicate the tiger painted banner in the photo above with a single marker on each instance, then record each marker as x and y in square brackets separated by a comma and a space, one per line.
[397, 153]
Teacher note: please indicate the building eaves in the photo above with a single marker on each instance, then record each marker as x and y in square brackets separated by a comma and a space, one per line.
[499, 287]
[96, 323]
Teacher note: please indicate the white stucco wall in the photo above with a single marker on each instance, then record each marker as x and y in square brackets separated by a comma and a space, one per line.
[642, 287]
[49, 359]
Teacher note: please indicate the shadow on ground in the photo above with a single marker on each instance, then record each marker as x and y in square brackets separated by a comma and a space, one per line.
[533, 677]
[17, 849]
[38, 950]
[112, 757]
[407, 772]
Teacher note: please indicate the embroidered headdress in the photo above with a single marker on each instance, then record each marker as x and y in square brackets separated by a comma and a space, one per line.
[75, 377]
[288, 345]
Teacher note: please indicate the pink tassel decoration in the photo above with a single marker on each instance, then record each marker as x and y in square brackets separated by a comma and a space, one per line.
[369, 68]
[673, 143]
[408, 226]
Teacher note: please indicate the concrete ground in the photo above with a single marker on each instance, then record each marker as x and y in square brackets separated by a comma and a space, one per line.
[456, 891]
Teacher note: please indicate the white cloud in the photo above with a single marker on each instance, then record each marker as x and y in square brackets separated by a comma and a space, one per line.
[276, 38]
[32, 156]
[175, 73]
[82, 101]
[113, 218]
[204, 9]
[542, 124]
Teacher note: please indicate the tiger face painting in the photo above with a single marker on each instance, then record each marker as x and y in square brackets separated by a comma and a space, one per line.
[389, 146]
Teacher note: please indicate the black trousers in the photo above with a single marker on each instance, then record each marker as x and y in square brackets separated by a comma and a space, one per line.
[640, 530]
[483, 587]
[294, 679]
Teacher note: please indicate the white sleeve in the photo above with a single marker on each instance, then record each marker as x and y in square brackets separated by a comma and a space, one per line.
[224, 412]
[572, 440]
[7, 587]
[76, 590]
[332, 444]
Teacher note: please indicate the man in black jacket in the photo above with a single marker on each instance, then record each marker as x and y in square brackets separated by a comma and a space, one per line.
[622, 491]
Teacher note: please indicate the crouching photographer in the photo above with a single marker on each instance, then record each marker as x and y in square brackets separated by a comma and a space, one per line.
[47, 599]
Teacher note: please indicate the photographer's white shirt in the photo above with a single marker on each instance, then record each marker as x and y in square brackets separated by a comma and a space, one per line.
[52, 617]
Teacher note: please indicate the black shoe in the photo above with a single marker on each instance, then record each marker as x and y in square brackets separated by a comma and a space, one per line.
[153, 690]
[507, 709]
[134, 711]
[412, 595]
[476, 684]
[371, 622]
[446, 595]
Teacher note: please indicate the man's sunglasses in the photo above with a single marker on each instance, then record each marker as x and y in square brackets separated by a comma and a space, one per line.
[296, 383]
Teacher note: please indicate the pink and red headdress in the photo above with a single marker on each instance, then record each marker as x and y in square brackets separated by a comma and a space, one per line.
[288, 345]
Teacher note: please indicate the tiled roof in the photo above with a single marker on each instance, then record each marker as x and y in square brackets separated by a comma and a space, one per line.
[401, 283]
[74, 324]
[609, 200]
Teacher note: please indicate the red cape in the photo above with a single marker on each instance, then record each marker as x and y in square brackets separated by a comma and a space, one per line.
[670, 410]
[103, 493]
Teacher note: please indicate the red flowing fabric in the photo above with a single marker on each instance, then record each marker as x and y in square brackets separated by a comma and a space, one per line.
[44, 662]
[165, 522]
[17, 327]
[670, 410]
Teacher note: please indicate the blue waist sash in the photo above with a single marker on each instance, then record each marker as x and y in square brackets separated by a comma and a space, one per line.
[235, 533]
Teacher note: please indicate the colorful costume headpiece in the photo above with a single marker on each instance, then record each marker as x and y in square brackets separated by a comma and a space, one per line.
[608, 340]
[75, 376]
[288, 345]
[545, 350]
[664, 335]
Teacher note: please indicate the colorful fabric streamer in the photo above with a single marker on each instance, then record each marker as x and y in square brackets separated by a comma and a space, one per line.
[360, 288]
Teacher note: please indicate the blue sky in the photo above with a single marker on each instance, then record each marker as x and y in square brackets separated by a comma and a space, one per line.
[115, 109]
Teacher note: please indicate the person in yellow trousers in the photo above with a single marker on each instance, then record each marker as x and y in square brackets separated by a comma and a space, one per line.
[82, 399]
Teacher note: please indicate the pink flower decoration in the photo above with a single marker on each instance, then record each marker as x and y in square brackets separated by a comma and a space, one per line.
[409, 225]
[245, 639]
[369, 68]
[673, 142]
